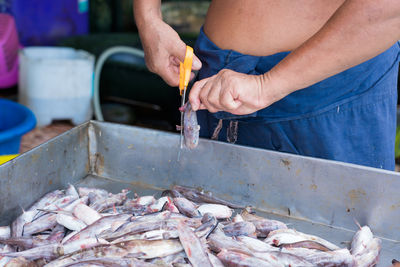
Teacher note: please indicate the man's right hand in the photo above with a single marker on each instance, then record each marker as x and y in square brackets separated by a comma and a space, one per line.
[164, 50]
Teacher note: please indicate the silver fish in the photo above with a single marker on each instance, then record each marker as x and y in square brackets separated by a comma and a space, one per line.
[85, 191]
[149, 249]
[100, 203]
[41, 224]
[361, 239]
[263, 226]
[5, 232]
[17, 226]
[186, 207]
[86, 214]
[193, 247]
[240, 228]
[218, 241]
[200, 196]
[26, 242]
[71, 191]
[20, 262]
[256, 245]
[99, 226]
[286, 259]
[370, 255]
[218, 210]
[340, 257]
[57, 234]
[235, 258]
[70, 222]
[191, 128]
[288, 236]
[103, 250]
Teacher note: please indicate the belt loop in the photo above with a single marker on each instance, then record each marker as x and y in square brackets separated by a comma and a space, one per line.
[232, 132]
[217, 130]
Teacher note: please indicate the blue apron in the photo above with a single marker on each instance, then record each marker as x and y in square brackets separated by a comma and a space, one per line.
[349, 117]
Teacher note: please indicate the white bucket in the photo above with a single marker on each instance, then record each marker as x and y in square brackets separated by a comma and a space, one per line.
[56, 83]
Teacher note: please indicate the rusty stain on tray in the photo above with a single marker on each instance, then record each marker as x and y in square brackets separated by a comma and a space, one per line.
[286, 163]
[313, 187]
[99, 163]
[355, 195]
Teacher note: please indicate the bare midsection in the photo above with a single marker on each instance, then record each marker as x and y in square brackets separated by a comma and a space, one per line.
[265, 27]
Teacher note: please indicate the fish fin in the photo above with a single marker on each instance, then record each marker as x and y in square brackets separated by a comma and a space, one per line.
[178, 127]
[357, 223]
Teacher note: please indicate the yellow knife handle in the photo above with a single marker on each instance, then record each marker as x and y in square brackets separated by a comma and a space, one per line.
[185, 69]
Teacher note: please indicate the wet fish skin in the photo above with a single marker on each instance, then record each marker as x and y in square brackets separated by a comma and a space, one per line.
[264, 226]
[218, 241]
[98, 226]
[148, 249]
[103, 250]
[110, 262]
[306, 244]
[193, 247]
[100, 203]
[47, 252]
[17, 226]
[70, 222]
[137, 227]
[57, 234]
[288, 236]
[370, 255]
[59, 204]
[218, 210]
[71, 191]
[41, 224]
[215, 262]
[20, 262]
[85, 191]
[86, 214]
[361, 239]
[256, 245]
[336, 258]
[186, 207]
[240, 228]
[5, 232]
[191, 128]
[26, 242]
[202, 197]
[5, 260]
[78, 245]
[237, 259]
[286, 259]
[46, 200]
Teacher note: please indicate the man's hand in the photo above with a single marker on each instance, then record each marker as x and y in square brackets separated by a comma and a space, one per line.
[164, 50]
[233, 92]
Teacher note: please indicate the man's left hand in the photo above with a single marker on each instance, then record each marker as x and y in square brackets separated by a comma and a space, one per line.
[233, 92]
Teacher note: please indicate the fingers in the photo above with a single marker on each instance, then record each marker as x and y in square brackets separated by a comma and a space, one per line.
[196, 63]
[228, 101]
[194, 96]
[205, 95]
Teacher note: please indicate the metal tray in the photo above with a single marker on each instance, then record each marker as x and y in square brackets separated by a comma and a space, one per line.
[315, 196]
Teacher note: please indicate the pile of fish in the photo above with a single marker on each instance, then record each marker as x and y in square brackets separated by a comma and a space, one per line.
[184, 227]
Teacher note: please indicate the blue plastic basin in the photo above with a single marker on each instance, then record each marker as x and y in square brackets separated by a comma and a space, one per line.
[15, 121]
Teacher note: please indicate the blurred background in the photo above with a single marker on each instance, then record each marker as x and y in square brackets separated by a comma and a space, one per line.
[56, 84]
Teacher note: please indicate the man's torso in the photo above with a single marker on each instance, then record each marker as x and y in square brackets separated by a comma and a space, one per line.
[266, 27]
